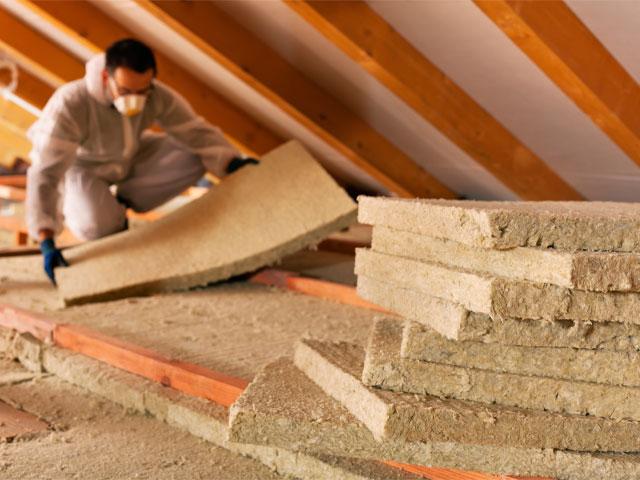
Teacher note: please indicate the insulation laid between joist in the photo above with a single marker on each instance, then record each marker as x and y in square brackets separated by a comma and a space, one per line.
[455, 322]
[607, 226]
[252, 219]
[599, 366]
[202, 418]
[282, 407]
[499, 297]
[582, 270]
[385, 368]
[338, 367]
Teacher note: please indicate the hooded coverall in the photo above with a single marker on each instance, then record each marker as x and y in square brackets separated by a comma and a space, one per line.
[82, 146]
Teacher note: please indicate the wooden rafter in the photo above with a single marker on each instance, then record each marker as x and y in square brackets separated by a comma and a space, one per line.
[14, 122]
[98, 30]
[15, 118]
[41, 55]
[12, 144]
[33, 90]
[555, 39]
[363, 35]
[230, 44]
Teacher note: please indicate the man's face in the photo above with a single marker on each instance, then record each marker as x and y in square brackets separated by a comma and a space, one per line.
[129, 82]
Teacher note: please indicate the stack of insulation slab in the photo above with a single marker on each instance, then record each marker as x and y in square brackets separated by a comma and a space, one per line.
[518, 354]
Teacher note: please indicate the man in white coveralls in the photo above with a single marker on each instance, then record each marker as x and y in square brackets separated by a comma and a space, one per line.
[93, 135]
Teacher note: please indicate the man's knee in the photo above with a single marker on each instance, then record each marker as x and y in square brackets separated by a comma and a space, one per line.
[92, 227]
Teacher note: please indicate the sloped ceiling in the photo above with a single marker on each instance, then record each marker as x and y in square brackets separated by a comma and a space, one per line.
[464, 44]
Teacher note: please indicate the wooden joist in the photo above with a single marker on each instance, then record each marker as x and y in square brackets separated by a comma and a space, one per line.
[14, 180]
[232, 45]
[12, 193]
[18, 226]
[25, 321]
[359, 32]
[555, 39]
[434, 473]
[311, 286]
[100, 31]
[183, 376]
[15, 422]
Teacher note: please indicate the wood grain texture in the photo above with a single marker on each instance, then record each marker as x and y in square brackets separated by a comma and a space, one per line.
[184, 376]
[25, 321]
[372, 43]
[229, 43]
[555, 39]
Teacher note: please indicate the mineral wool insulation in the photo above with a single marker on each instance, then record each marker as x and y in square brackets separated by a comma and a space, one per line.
[499, 297]
[455, 322]
[283, 407]
[582, 270]
[253, 218]
[607, 226]
[586, 365]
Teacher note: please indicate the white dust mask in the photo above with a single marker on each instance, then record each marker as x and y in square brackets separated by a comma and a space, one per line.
[130, 104]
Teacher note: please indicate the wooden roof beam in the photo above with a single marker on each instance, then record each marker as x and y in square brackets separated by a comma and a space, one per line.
[230, 44]
[41, 55]
[14, 117]
[555, 39]
[12, 145]
[363, 35]
[99, 30]
[33, 90]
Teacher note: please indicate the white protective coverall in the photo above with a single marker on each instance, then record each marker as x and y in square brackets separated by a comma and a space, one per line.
[82, 139]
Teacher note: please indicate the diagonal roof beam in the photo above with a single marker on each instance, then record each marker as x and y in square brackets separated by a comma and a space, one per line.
[230, 44]
[14, 117]
[363, 35]
[37, 52]
[97, 31]
[555, 39]
[33, 90]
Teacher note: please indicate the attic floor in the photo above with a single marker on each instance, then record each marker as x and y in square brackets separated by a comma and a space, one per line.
[92, 438]
[234, 328]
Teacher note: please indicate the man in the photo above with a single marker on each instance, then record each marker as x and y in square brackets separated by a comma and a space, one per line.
[92, 138]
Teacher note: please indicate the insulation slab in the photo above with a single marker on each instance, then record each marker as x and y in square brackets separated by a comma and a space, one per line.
[598, 366]
[596, 271]
[499, 297]
[457, 323]
[338, 368]
[385, 368]
[201, 418]
[607, 226]
[252, 219]
[282, 407]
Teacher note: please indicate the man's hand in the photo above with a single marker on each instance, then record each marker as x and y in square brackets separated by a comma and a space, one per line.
[52, 258]
[237, 163]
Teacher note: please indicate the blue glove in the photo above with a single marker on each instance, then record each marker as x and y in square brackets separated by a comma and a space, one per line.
[237, 163]
[52, 258]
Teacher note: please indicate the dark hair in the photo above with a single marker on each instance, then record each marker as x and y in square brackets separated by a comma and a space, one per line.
[130, 53]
